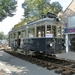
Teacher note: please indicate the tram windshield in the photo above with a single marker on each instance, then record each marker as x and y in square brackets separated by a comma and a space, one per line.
[40, 31]
[49, 31]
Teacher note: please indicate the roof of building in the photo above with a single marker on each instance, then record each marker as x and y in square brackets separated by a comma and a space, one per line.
[71, 6]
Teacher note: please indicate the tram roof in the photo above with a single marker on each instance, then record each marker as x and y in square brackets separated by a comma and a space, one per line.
[37, 22]
[44, 19]
[41, 20]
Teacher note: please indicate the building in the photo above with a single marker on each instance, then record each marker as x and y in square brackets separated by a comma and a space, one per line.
[69, 24]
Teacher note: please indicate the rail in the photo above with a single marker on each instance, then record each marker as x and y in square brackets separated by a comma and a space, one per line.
[67, 67]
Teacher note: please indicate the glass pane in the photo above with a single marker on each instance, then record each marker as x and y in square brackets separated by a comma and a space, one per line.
[15, 35]
[59, 31]
[54, 31]
[24, 33]
[40, 31]
[48, 29]
[31, 32]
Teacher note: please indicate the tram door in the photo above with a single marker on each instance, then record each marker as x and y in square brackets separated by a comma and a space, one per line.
[19, 39]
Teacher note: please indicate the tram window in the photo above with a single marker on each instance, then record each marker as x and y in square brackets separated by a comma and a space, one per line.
[40, 31]
[19, 35]
[31, 32]
[11, 35]
[15, 35]
[48, 29]
[54, 31]
[24, 33]
[59, 31]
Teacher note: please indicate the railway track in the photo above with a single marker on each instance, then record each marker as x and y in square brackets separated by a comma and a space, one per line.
[61, 66]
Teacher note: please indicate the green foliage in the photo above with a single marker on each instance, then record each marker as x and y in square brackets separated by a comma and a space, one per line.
[56, 7]
[6, 37]
[35, 8]
[7, 7]
[3, 37]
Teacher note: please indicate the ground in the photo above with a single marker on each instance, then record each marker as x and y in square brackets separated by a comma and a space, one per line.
[21, 67]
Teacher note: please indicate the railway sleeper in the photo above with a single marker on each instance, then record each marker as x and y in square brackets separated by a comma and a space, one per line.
[29, 59]
[44, 64]
[58, 71]
[38, 63]
[66, 73]
[51, 67]
[65, 63]
[33, 62]
[71, 66]
[26, 59]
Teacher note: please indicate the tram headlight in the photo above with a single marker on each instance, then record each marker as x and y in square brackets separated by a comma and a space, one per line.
[50, 44]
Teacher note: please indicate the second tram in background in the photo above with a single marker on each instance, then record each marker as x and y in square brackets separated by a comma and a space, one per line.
[44, 36]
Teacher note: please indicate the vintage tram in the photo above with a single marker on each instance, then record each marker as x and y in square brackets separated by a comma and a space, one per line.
[43, 36]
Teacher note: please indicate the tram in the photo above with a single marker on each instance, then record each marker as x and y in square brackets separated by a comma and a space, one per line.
[43, 36]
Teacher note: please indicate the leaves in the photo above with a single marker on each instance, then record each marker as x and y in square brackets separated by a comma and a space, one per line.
[56, 7]
[1, 35]
[22, 23]
[34, 9]
[7, 7]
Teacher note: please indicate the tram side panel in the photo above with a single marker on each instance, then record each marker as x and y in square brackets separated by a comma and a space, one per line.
[35, 44]
[54, 45]
[49, 46]
[44, 45]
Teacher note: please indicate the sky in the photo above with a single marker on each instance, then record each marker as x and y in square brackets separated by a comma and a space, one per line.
[7, 24]
[64, 3]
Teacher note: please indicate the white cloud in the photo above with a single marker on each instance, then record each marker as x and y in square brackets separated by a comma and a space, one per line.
[9, 22]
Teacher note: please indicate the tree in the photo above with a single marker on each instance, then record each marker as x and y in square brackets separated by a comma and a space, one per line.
[7, 7]
[56, 7]
[1, 35]
[22, 23]
[6, 37]
[36, 8]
